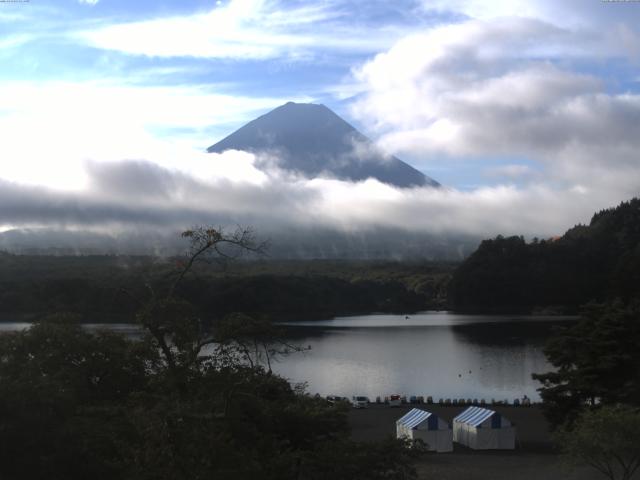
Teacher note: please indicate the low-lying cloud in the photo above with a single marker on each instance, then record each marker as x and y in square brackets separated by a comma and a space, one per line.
[133, 196]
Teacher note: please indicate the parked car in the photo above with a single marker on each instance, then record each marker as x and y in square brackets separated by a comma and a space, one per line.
[395, 401]
[334, 399]
[359, 402]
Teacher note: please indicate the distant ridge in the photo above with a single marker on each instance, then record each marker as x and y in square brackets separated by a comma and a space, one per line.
[312, 140]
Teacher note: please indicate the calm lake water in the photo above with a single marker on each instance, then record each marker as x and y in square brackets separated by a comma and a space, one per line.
[432, 353]
[441, 354]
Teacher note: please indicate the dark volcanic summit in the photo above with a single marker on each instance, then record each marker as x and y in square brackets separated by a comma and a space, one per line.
[312, 140]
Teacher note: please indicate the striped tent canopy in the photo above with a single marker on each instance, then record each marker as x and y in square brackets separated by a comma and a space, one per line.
[475, 416]
[483, 429]
[415, 417]
[435, 433]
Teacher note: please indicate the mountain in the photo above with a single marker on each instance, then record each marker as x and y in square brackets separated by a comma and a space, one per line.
[312, 140]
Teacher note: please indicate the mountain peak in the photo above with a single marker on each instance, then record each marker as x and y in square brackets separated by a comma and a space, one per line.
[311, 139]
[306, 106]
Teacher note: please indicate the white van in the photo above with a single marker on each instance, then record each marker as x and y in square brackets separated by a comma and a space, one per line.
[359, 402]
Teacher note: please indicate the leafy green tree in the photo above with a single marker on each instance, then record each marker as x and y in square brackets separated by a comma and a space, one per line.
[597, 361]
[607, 439]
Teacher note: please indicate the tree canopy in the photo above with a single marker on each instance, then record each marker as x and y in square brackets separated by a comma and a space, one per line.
[597, 262]
[186, 399]
[597, 361]
[607, 439]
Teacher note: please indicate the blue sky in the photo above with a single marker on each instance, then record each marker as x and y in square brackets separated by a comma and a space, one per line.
[502, 101]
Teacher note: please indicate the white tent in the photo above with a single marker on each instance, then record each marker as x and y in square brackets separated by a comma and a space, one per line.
[428, 427]
[483, 429]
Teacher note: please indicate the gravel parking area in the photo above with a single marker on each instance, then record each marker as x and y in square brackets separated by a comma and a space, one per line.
[533, 459]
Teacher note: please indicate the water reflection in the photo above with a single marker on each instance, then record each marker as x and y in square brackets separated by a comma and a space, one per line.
[433, 353]
[437, 354]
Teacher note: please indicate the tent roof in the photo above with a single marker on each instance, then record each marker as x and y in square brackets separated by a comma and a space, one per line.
[414, 418]
[474, 416]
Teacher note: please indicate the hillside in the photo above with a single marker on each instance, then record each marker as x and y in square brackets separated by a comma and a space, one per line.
[589, 262]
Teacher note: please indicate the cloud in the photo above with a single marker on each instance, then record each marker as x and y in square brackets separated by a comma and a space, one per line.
[239, 29]
[496, 88]
[51, 128]
[13, 41]
[512, 171]
[11, 16]
[572, 13]
[89, 2]
[132, 195]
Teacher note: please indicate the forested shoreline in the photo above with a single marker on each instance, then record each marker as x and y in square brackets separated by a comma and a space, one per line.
[594, 262]
[107, 288]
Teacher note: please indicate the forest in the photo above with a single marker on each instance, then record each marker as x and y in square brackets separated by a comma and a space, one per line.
[105, 288]
[594, 262]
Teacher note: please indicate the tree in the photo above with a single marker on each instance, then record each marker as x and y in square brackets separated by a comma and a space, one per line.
[607, 439]
[174, 323]
[63, 396]
[597, 361]
[589, 262]
[188, 400]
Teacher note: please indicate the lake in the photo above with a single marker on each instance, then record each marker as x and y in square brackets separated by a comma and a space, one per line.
[442, 354]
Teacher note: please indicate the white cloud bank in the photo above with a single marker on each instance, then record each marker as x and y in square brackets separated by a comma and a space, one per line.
[62, 168]
[499, 88]
[63, 143]
[140, 194]
[51, 128]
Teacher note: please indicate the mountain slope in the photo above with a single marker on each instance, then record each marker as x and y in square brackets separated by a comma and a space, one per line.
[598, 261]
[312, 140]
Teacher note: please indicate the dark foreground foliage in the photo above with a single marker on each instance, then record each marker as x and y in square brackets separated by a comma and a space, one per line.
[606, 438]
[592, 398]
[181, 402]
[76, 405]
[597, 362]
